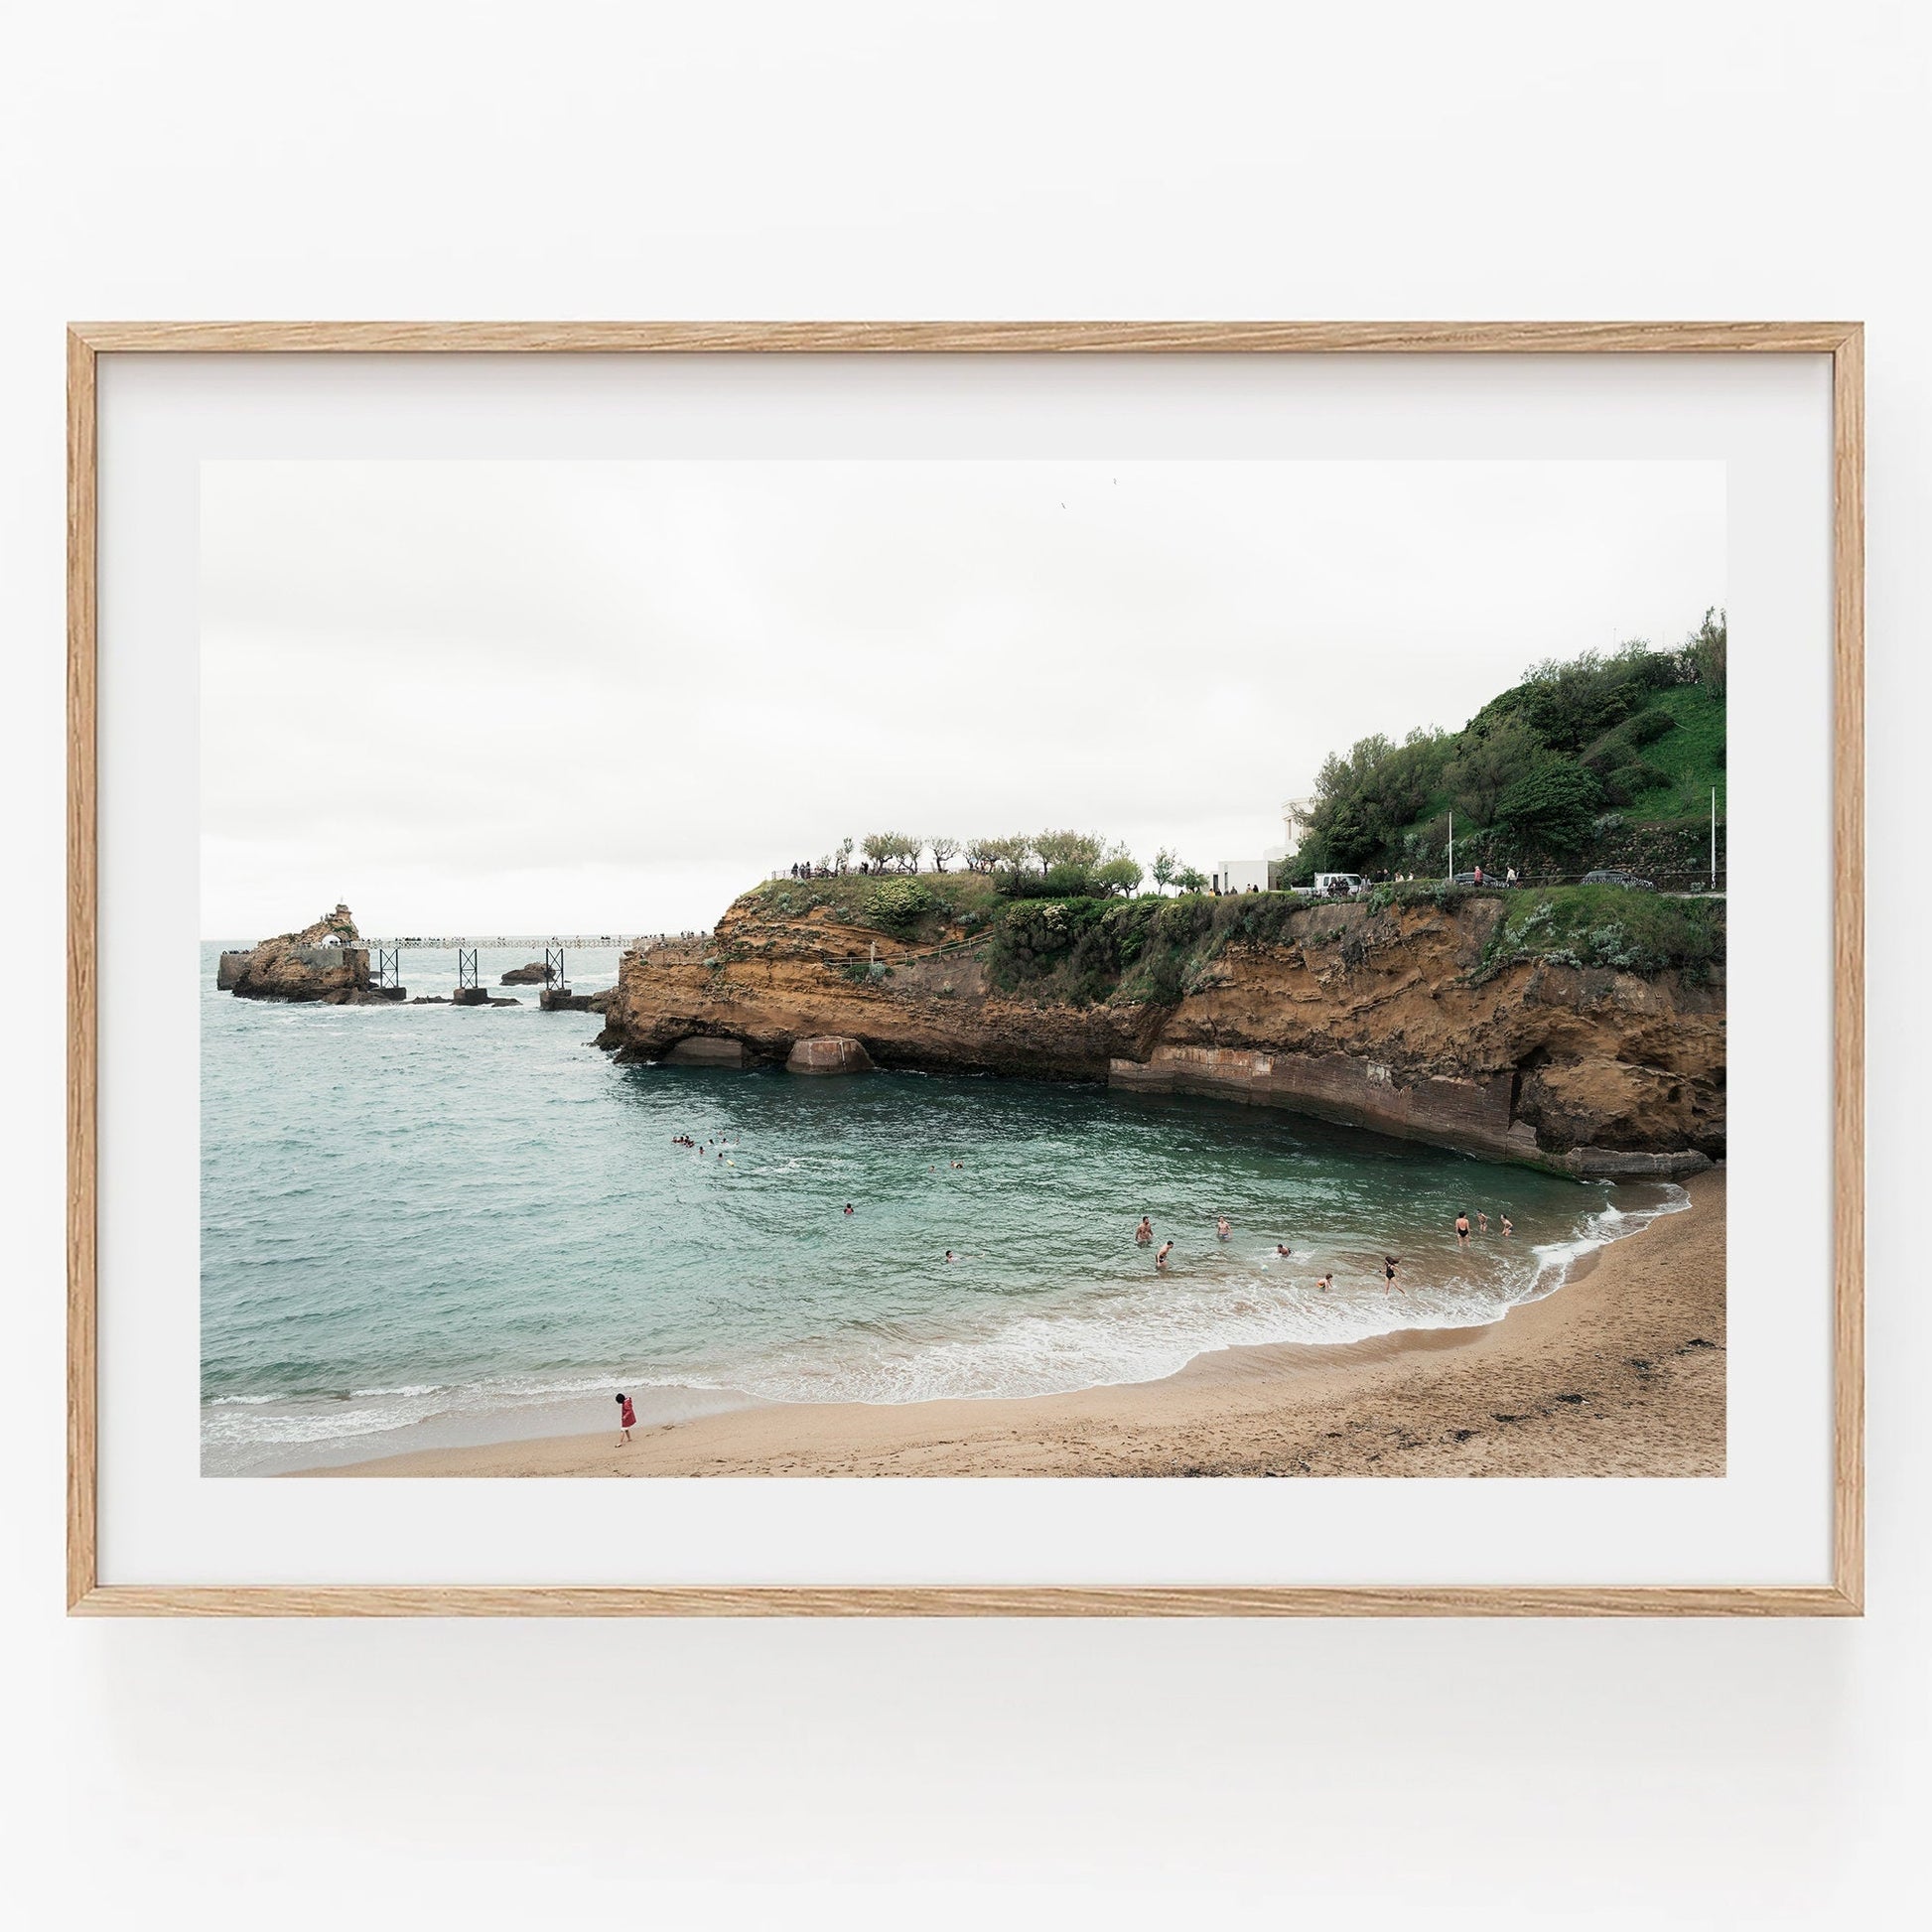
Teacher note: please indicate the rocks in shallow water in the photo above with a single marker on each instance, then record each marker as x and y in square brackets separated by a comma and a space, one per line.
[704, 1049]
[1609, 1163]
[430, 999]
[536, 972]
[829, 1053]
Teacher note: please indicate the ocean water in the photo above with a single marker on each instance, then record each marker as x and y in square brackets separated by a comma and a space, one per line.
[430, 1223]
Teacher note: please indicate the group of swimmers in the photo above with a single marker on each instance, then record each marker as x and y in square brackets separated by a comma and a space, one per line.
[1464, 1230]
[704, 1147]
[1224, 1229]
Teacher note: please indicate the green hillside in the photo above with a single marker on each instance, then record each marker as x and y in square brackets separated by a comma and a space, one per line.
[1593, 761]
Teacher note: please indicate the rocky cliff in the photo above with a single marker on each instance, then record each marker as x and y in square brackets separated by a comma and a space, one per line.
[324, 962]
[1399, 1020]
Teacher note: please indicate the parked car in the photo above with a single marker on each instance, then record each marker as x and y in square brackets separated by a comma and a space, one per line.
[1617, 876]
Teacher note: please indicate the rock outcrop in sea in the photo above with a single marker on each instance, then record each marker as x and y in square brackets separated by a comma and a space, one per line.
[326, 963]
[1373, 1018]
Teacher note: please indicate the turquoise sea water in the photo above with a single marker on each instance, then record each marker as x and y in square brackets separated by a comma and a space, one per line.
[423, 1218]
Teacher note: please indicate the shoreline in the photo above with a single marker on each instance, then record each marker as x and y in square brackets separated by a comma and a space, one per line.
[1620, 1372]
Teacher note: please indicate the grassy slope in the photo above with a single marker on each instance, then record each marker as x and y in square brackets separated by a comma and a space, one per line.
[1688, 755]
[955, 897]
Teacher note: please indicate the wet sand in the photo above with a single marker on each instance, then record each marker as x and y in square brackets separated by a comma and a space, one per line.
[1620, 1373]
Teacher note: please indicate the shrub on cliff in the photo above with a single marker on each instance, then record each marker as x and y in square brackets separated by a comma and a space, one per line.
[1059, 882]
[1608, 926]
[898, 904]
[1187, 919]
[1550, 806]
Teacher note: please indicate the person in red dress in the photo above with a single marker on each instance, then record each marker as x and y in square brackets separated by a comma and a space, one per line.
[627, 1418]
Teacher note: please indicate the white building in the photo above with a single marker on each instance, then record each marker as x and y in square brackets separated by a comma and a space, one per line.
[1295, 815]
[1242, 875]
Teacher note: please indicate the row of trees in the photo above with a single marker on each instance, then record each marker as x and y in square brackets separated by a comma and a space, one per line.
[1063, 862]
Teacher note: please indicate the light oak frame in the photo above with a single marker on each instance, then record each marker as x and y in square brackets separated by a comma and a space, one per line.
[1844, 343]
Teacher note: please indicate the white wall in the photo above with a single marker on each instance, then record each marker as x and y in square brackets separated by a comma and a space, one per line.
[1003, 159]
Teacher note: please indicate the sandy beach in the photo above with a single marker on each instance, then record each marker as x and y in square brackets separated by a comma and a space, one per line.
[1620, 1373]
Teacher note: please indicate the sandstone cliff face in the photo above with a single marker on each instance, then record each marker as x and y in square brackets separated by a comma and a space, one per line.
[1377, 1019]
[303, 965]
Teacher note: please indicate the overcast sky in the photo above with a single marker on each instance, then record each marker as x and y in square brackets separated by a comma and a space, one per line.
[539, 697]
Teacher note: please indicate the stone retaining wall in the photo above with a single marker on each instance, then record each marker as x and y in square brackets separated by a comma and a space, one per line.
[1470, 1113]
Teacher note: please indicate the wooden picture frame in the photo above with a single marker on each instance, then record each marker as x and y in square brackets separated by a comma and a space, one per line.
[87, 342]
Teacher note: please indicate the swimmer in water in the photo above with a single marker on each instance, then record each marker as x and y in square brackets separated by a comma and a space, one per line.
[1144, 1234]
[848, 1207]
[1390, 1263]
[1161, 1258]
[1509, 1226]
[1462, 1230]
[1325, 1283]
[950, 1256]
[1222, 1229]
[1281, 1247]
[1482, 1222]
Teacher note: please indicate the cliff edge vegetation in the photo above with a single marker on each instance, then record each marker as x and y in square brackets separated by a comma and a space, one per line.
[1580, 1028]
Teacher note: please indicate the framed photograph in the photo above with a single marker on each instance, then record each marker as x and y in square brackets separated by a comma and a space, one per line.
[869, 968]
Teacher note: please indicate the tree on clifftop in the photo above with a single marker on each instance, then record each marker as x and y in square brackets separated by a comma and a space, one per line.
[1057, 849]
[942, 850]
[1551, 805]
[1491, 759]
[1007, 855]
[899, 849]
[1707, 651]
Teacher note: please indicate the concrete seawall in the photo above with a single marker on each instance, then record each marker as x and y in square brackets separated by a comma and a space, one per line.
[1472, 1114]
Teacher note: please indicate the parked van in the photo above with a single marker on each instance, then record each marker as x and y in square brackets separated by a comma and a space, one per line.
[1339, 884]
